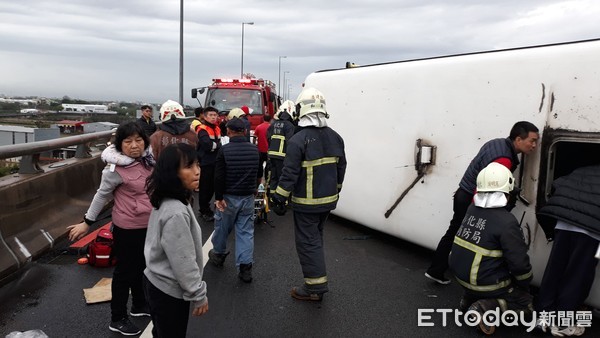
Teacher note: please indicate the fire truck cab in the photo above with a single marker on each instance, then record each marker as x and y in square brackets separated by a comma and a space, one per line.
[225, 94]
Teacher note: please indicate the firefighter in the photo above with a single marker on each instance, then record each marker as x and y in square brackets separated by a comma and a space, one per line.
[313, 172]
[278, 134]
[489, 255]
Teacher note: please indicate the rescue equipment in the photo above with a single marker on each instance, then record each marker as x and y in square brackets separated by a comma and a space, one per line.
[100, 250]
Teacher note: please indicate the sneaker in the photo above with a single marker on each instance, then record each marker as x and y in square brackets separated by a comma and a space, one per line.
[568, 331]
[217, 259]
[481, 326]
[140, 311]
[302, 294]
[124, 327]
[207, 217]
[441, 280]
[245, 273]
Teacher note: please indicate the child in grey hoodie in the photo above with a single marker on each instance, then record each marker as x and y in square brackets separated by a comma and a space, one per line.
[173, 250]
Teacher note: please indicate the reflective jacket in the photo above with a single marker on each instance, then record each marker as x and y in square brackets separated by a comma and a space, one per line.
[313, 170]
[278, 134]
[489, 253]
[209, 143]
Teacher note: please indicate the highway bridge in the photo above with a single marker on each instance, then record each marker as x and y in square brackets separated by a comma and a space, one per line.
[376, 281]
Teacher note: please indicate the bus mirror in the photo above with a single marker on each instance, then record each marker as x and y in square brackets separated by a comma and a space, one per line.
[194, 93]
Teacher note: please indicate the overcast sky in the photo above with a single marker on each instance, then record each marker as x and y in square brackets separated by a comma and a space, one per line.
[129, 49]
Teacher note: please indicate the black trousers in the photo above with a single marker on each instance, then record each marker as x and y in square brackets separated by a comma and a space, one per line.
[207, 188]
[513, 298]
[309, 246]
[170, 315]
[569, 273]
[276, 169]
[439, 264]
[128, 247]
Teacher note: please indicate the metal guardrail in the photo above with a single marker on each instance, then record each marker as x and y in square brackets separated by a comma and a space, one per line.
[30, 152]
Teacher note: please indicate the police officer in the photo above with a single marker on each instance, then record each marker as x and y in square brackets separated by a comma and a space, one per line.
[313, 172]
[278, 134]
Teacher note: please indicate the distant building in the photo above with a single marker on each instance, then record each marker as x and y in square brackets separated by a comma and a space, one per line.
[10, 135]
[70, 126]
[86, 109]
[94, 127]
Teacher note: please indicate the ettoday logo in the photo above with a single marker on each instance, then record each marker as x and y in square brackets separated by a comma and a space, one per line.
[505, 318]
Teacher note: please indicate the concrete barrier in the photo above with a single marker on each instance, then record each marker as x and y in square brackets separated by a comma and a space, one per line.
[36, 209]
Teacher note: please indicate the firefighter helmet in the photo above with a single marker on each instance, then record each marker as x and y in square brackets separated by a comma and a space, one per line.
[235, 112]
[169, 109]
[495, 177]
[309, 101]
[289, 106]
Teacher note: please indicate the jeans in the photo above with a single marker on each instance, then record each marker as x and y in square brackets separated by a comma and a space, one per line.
[239, 214]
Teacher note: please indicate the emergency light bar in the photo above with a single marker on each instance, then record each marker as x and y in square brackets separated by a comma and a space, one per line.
[239, 81]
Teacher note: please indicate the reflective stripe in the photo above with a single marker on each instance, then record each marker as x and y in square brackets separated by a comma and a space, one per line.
[524, 276]
[315, 201]
[282, 192]
[477, 249]
[279, 152]
[479, 253]
[321, 161]
[475, 269]
[317, 280]
[503, 305]
[484, 288]
[102, 256]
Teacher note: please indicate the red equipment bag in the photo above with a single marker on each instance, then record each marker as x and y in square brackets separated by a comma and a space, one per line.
[100, 250]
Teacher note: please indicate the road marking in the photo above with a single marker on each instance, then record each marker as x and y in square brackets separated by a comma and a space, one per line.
[205, 249]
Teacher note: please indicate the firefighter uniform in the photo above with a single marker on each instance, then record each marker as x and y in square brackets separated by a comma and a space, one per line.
[313, 173]
[489, 255]
[278, 134]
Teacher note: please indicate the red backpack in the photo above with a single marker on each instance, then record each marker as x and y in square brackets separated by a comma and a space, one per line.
[100, 250]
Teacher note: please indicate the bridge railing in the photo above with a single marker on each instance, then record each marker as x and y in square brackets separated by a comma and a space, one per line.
[30, 152]
[40, 201]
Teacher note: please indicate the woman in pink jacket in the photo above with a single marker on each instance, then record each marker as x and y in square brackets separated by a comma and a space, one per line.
[129, 162]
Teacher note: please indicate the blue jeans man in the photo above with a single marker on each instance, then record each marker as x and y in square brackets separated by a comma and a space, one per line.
[238, 214]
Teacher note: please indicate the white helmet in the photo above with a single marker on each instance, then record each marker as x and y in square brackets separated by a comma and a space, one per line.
[171, 108]
[495, 177]
[309, 101]
[235, 112]
[289, 106]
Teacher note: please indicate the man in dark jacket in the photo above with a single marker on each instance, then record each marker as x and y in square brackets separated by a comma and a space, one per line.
[146, 120]
[313, 173]
[522, 139]
[279, 133]
[235, 185]
[489, 255]
[209, 143]
[571, 218]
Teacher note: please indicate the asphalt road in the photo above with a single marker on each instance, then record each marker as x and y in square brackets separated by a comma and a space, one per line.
[376, 289]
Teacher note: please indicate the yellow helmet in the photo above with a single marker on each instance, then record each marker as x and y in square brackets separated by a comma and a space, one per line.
[309, 101]
[495, 177]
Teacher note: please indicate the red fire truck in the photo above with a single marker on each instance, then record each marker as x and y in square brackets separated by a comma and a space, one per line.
[257, 94]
